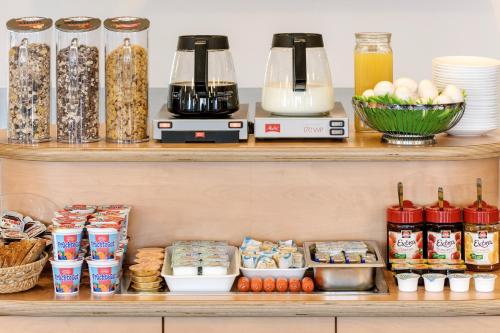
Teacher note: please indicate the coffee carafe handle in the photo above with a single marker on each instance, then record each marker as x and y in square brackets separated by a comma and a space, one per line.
[299, 64]
[200, 66]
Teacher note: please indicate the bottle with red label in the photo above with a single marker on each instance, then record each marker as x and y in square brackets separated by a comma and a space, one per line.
[444, 230]
[482, 235]
[405, 230]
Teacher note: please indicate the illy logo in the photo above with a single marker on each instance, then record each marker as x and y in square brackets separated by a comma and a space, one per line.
[276, 128]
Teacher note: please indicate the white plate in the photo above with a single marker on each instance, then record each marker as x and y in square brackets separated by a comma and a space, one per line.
[459, 132]
[200, 283]
[466, 61]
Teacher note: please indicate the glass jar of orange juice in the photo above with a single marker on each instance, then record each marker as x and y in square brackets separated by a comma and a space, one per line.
[372, 64]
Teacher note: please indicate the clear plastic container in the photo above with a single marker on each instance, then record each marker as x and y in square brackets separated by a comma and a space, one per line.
[29, 79]
[77, 72]
[298, 79]
[203, 80]
[126, 79]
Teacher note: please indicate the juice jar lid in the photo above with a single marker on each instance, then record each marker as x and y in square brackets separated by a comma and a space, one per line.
[488, 214]
[449, 214]
[410, 214]
[29, 24]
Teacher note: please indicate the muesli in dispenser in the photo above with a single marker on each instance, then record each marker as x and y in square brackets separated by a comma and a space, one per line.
[29, 80]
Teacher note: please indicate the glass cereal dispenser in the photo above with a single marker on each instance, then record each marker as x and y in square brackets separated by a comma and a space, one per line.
[29, 80]
[77, 75]
[126, 79]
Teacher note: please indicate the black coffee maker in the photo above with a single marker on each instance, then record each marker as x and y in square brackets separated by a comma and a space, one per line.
[203, 80]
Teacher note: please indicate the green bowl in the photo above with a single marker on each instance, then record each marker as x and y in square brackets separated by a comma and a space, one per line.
[408, 124]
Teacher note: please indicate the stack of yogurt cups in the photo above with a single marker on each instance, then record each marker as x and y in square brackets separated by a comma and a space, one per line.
[101, 235]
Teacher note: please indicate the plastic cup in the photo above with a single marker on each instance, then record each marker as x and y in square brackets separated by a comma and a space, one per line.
[66, 275]
[434, 282]
[103, 243]
[408, 282]
[459, 282]
[485, 282]
[66, 243]
[104, 276]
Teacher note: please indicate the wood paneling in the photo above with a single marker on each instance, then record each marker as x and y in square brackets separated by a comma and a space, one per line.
[419, 325]
[16, 324]
[299, 200]
[256, 325]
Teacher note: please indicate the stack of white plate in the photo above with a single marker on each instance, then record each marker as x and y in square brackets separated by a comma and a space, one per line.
[480, 78]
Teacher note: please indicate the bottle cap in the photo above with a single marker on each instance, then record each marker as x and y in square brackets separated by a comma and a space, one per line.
[449, 214]
[486, 215]
[410, 214]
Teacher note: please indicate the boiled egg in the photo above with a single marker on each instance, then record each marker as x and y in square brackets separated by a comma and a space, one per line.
[403, 93]
[427, 90]
[383, 88]
[442, 99]
[368, 93]
[411, 84]
[454, 93]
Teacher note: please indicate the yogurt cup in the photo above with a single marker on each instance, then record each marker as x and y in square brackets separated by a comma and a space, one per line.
[434, 282]
[103, 243]
[80, 209]
[459, 282]
[408, 282]
[484, 282]
[66, 275]
[104, 276]
[66, 243]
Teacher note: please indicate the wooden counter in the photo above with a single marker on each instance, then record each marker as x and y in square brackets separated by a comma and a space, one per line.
[41, 301]
[361, 147]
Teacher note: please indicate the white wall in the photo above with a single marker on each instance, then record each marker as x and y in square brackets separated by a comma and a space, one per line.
[422, 29]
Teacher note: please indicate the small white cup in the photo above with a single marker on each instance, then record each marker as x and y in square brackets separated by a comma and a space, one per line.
[459, 282]
[434, 282]
[407, 282]
[485, 282]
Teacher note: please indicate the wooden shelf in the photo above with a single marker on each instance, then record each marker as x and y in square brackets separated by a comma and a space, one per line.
[361, 147]
[41, 301]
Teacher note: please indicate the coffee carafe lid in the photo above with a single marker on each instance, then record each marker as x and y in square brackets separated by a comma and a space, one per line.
[214, 42]
[288, 39]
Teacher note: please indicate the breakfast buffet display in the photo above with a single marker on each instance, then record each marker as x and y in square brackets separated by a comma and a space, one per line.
[430, 248]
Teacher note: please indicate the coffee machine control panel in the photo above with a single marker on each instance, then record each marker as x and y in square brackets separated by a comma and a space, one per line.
[334, 125]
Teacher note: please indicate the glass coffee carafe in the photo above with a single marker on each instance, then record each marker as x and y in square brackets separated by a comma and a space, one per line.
[298, 79]
[203, 81]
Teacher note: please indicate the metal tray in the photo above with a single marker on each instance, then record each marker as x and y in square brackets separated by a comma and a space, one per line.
[345, 277]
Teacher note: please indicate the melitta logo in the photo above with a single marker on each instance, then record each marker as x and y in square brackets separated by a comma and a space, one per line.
[406, 234]
[445, 234]
[70, 238]
[102, 238]
[276, 128]
[482, 234]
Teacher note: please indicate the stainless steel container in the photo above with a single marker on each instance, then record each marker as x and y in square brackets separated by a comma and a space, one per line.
[344, 277]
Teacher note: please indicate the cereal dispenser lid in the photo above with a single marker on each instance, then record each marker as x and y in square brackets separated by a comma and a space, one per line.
[29, 24]
[288, 39]
[486, 215]
[78, 24]
[126, 24]
[410, 214]
[449, 214]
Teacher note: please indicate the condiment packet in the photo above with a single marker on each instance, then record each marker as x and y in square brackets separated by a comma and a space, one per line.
[12, 221]
[35, 229]
[13, 234]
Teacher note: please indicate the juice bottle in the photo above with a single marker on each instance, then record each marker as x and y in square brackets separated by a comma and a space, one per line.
[372, 64]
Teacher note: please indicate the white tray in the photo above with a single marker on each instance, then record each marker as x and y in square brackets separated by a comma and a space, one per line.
[201, 283]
